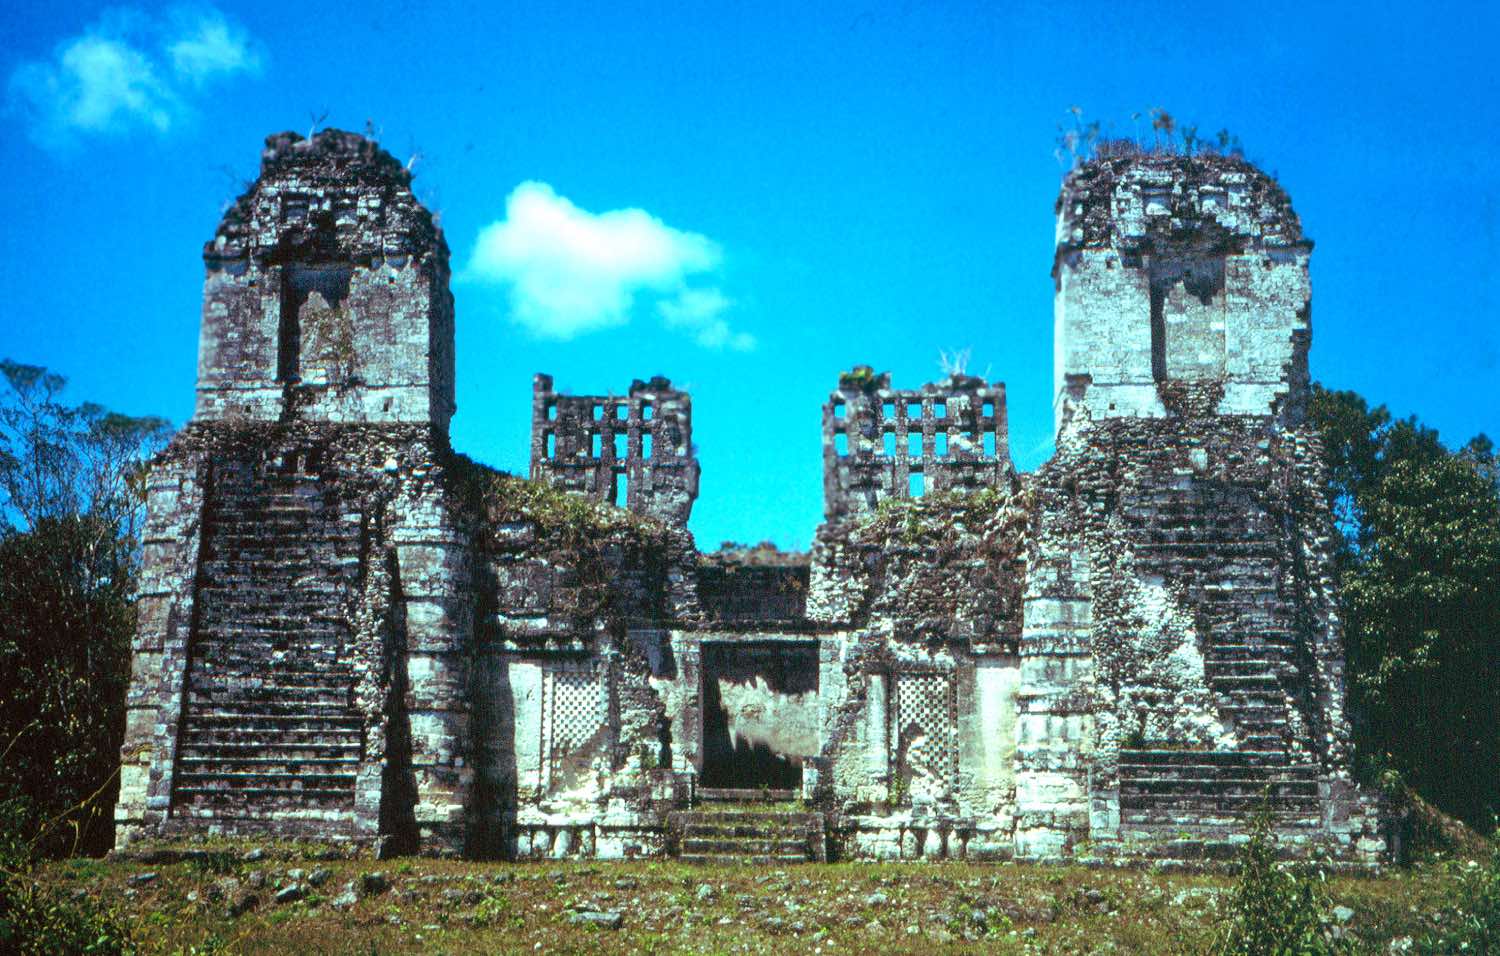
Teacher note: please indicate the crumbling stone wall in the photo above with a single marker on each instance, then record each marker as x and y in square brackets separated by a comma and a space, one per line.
[754, 588]
[635, 452]
[326, 294]
[927, 596]
[882, 444]
[1180, 656]
[1177, 268]
[302, 656]
[574, 753]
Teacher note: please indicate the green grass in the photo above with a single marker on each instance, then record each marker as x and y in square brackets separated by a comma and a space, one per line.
[437, 906]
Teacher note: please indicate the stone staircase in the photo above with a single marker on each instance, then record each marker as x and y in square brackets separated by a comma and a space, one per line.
[1223, 553]
[269, 727]
[745, 834]
[1188, 804]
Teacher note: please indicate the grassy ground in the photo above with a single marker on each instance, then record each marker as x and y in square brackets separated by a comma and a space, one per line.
[435, 906]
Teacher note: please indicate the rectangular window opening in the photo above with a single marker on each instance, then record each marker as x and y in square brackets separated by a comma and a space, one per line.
[551, 445]
[1158, 333]
[888, 410]
[915, 485]
[646, 445]
[619, 492]
[913, 410]
[299, 283]
[888, 445]
[840, 444]
[914, 444]
[838, 409]
[646, 411]
[551, 411]
[940, 444]
[621, 445]
[622, 412]
[989, 444]
[989, 409]
[598, 413]
[940, 410]
[596, 444]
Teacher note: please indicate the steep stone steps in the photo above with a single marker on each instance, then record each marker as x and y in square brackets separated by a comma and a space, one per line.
[757, 836]
[269, 725]
[1163, 792]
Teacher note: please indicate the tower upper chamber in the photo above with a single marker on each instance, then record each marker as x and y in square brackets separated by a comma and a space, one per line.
[326, 296]
[1178, 276]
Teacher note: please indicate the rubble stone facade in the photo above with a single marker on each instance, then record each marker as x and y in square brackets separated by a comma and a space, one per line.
[349, 631]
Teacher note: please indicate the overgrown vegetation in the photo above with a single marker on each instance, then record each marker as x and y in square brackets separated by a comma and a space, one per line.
[37, 919]
[569, 520]
[1154, 131]
[1470, 921]
[861, 377]
[1277, 909]
[438, 906]
[1418, 558]
[942, 517]
[71, 495]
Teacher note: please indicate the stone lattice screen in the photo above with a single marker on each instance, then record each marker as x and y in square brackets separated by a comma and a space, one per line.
[634, 451]
[575, 714]
[881, 443]
[923, 734]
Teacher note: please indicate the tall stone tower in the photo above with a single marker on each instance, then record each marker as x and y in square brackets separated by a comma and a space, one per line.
[1178, 270]
[1181, 658]
[326, 297]
[305, 603]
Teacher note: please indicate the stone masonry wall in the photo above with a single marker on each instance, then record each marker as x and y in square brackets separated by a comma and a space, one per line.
[1178, 268]
[350, 632]
[326, 293]
[883, 444]
[1180, 662]
[297, 649]
[634, 451]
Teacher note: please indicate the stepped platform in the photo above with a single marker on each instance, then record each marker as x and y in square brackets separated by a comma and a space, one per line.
[740, 833]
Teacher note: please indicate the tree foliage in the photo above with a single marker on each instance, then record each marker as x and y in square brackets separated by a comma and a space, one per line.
[71, 501]
[1419, 561]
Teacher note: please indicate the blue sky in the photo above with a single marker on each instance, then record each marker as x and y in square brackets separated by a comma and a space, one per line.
[813, 188]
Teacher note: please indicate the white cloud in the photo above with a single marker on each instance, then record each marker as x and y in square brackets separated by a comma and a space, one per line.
[127, 71]
[699, 311]
[209, 46]
[570, 271]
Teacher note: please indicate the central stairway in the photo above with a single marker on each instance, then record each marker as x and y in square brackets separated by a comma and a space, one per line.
[739, 833]
[270, 733]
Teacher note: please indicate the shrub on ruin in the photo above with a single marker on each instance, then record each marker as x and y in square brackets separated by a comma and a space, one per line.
[1275, 908]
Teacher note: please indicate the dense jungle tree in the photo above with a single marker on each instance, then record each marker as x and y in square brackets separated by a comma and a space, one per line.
[1419, 562]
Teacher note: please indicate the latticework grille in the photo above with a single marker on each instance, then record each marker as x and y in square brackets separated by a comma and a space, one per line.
[579, 709]
[924, 733]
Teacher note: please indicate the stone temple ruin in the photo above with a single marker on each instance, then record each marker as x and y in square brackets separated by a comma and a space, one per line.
[349, 631]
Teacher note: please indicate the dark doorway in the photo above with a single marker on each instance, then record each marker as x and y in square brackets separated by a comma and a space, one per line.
[759, 713]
